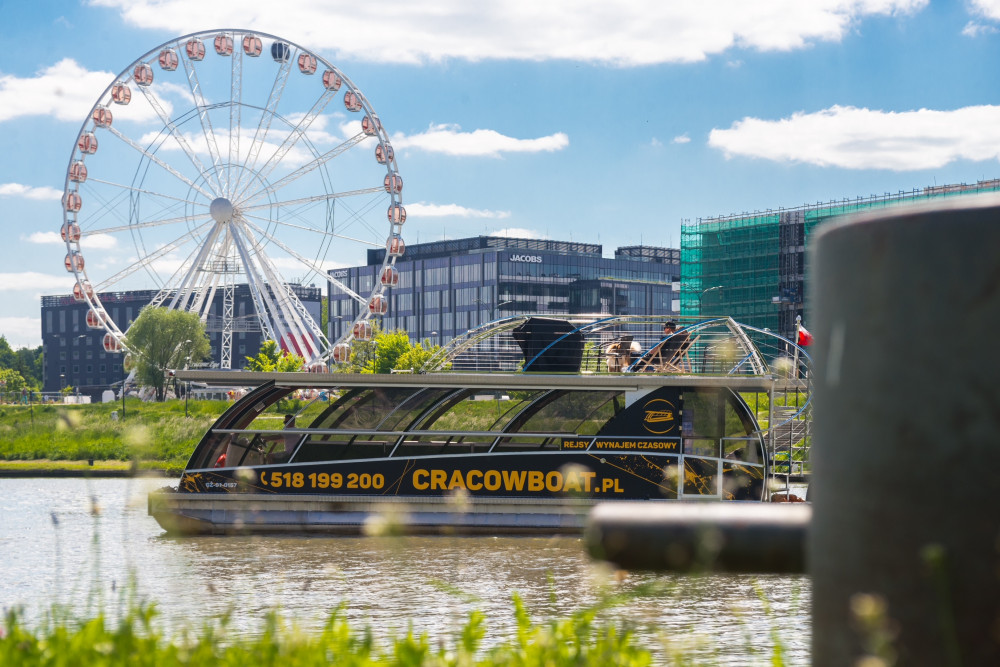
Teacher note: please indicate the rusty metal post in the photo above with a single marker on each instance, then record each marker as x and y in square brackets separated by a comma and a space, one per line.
[904, 546]
[700, 536]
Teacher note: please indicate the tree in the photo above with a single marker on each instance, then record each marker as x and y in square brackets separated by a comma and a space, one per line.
[25, 360]
[389, 347]
[270, 360]
[387, 351]
[415, 358]
[11, 382]
[161, 339]
[6, 354]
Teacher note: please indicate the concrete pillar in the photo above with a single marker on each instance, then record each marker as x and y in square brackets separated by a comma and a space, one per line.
[904, 546]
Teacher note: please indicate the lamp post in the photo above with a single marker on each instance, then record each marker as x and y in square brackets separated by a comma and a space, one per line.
[702, 294]
[173, 355]
[493, 307]
[187, 387]
[123, 383]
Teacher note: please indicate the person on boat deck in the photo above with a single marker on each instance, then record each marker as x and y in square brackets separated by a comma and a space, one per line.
[242, 445]
[290, 440]
[675, 339]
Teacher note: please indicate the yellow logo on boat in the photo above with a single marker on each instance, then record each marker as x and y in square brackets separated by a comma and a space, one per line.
[661, 416]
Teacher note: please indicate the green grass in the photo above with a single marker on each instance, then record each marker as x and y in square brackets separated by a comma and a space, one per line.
[137, 639]
[151, 435]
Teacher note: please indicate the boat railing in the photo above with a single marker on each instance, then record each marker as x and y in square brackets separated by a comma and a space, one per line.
[623, 344]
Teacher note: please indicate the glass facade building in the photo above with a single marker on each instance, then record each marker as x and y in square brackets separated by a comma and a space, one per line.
[753, 266]
[75, 355]
[448, 287]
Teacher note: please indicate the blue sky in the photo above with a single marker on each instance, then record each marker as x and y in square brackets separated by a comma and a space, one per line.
[604, 122]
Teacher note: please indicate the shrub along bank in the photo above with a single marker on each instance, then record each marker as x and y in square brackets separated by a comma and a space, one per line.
[149, 435]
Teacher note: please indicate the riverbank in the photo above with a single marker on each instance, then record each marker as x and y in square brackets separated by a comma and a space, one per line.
[50, 468]
[103, 439]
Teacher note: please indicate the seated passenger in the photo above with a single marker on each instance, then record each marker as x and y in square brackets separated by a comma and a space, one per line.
[675, 342]
[290, 440]
[620, 353]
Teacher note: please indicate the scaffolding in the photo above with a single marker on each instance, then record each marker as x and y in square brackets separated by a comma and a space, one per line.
[752, 266]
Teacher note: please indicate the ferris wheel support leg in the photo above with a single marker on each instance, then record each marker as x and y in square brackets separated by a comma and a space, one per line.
[226, 344]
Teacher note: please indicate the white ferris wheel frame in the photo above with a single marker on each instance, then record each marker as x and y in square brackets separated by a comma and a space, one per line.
[232, 227]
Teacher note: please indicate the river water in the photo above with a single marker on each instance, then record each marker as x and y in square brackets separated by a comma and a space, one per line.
[83, 542]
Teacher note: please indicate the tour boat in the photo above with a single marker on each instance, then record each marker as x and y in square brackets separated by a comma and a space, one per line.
[519, 426]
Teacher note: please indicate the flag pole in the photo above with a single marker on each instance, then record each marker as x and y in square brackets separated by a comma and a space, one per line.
[795, 360]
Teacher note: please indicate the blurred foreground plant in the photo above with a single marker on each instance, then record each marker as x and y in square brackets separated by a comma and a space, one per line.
[138, 640]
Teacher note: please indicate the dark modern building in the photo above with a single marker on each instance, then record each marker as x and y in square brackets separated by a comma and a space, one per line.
[753, 266]
[75, 355]
[448, 287]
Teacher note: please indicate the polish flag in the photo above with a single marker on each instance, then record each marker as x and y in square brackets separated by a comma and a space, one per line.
[805, 338]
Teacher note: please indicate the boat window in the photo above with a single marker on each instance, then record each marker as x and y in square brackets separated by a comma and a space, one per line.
[435, 445]
[362, 408]
[701, 477]
[339, 447]
[671, 475]
[709, 416]
[520, 443]
[742, 482]
[307, 406]
[410, 408]
[480, 410]
[572, 412]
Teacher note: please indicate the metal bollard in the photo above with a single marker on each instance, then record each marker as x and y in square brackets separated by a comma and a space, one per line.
[907, 435]
[700, 536]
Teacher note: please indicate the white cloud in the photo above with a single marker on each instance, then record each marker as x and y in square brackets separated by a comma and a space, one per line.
[22, 331]
[450, 140]
[973, 29]
[424, 210]
[66, 91]
[95, 242]
[52, 238]
[853, 138]
[519, 233]
[296, 156]
[625, 32]
[989, 9]
[32, 280]
[44, 192]
[681, 139]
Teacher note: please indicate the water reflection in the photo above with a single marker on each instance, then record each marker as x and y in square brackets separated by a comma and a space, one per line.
[67, 552]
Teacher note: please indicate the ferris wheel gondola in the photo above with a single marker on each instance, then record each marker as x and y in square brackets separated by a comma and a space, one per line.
[217, 167]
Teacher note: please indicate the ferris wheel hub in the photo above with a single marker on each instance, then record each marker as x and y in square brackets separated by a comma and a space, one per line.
[221, 210]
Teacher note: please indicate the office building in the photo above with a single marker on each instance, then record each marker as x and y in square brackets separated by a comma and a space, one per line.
[75, 355]
[448, 287]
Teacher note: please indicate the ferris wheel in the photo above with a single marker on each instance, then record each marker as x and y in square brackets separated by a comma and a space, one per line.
[219, 160]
